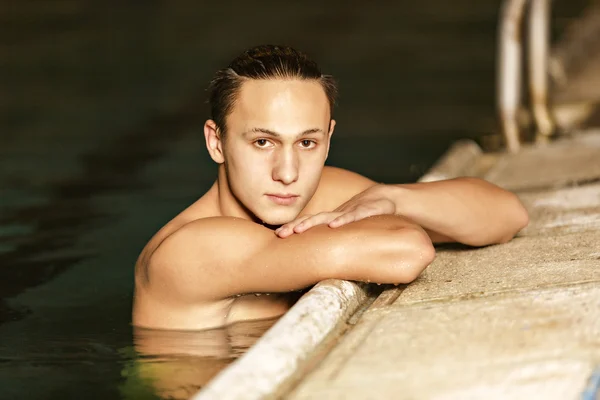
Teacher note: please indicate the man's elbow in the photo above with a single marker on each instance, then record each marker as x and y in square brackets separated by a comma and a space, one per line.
[417, 254]
[511, 223]
[521, 216]
[518, 220]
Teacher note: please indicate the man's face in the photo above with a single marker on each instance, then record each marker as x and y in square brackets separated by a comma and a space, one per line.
[277, 140]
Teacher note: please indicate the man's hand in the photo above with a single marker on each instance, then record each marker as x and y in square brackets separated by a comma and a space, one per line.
[372, 201]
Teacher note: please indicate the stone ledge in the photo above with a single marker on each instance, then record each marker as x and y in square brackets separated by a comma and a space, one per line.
[522, 264]
[280, 352]
[518, 345]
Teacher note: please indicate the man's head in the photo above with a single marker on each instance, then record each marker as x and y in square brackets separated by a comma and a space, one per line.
[270, 131]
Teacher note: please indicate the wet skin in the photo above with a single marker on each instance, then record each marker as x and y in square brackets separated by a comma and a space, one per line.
[277, 221]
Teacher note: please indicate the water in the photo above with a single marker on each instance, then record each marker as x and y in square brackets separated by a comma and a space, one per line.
[100, 144]
[175, 365]
[119, 362]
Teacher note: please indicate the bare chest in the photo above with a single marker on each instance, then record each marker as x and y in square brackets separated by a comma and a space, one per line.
[260, 306]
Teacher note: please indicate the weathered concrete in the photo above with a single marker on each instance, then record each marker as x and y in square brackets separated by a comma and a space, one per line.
[566, 162]
[532, 345]
[523, 263]
[456, 162]
[563, 211]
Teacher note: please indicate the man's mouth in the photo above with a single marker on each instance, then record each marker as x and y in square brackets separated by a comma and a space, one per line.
[283, 199]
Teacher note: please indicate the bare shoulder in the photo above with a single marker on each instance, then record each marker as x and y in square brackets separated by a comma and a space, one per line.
[337, 186]
[343, 178]
[202, 251]
[200, 209]
[187, 278]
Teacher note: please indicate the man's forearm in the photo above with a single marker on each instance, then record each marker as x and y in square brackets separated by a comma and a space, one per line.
[466, 210]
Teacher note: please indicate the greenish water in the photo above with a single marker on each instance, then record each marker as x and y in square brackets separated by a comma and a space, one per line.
[176, 364]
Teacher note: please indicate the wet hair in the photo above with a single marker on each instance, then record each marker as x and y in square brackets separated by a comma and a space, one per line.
[262, 62]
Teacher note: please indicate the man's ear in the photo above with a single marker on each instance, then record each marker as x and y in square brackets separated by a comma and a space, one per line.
[331, 128]
[214, 144]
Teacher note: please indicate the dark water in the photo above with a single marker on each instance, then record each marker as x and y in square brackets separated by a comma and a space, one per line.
[102, 105]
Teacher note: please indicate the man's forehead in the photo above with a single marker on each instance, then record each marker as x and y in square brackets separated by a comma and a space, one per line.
[276, 94]
[280, 84]
[280, 106]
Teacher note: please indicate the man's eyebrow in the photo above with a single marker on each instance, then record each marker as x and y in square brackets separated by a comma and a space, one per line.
[278, 135]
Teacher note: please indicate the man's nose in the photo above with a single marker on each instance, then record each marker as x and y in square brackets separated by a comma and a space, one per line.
[286, 167]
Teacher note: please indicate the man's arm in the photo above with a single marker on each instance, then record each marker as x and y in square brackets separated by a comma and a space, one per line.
[218, 257]
[466, 210]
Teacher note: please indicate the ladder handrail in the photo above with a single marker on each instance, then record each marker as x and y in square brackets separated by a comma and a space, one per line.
[510, 54]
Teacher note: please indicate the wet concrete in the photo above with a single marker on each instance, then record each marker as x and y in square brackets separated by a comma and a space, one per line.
[469, 350]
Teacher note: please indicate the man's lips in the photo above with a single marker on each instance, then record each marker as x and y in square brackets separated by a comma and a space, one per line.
[282, 199]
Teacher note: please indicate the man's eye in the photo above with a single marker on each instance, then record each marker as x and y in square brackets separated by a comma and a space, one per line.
[308, 143]
[261, 142]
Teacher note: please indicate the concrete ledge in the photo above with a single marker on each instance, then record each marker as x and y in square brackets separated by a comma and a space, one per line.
[530, 344]
[566, 162]
[592, 390]
[277, 355]
[274, 359]
[455, 162]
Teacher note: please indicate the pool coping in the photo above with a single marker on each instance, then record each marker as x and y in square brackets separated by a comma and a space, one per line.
[274, 359]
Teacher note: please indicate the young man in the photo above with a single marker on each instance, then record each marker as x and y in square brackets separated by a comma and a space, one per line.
[277, 221]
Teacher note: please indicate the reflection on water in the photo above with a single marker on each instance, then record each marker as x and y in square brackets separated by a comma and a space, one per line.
[175, 364]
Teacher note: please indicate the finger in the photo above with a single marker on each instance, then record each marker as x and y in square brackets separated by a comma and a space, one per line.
[310, 222]
[319, 219]
[356, 215]
[343, 220]
[288, 229]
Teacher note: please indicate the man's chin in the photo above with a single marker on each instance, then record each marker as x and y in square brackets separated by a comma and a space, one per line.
[278, 219]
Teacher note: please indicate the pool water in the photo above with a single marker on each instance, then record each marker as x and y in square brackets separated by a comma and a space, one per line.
[176, 364]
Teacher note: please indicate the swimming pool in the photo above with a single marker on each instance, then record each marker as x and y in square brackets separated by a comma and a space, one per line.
[101, 144]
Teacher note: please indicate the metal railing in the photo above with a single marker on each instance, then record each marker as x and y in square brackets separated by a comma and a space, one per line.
[509, 77]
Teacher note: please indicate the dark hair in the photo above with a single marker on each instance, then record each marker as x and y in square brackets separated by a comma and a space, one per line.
[263, 62]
